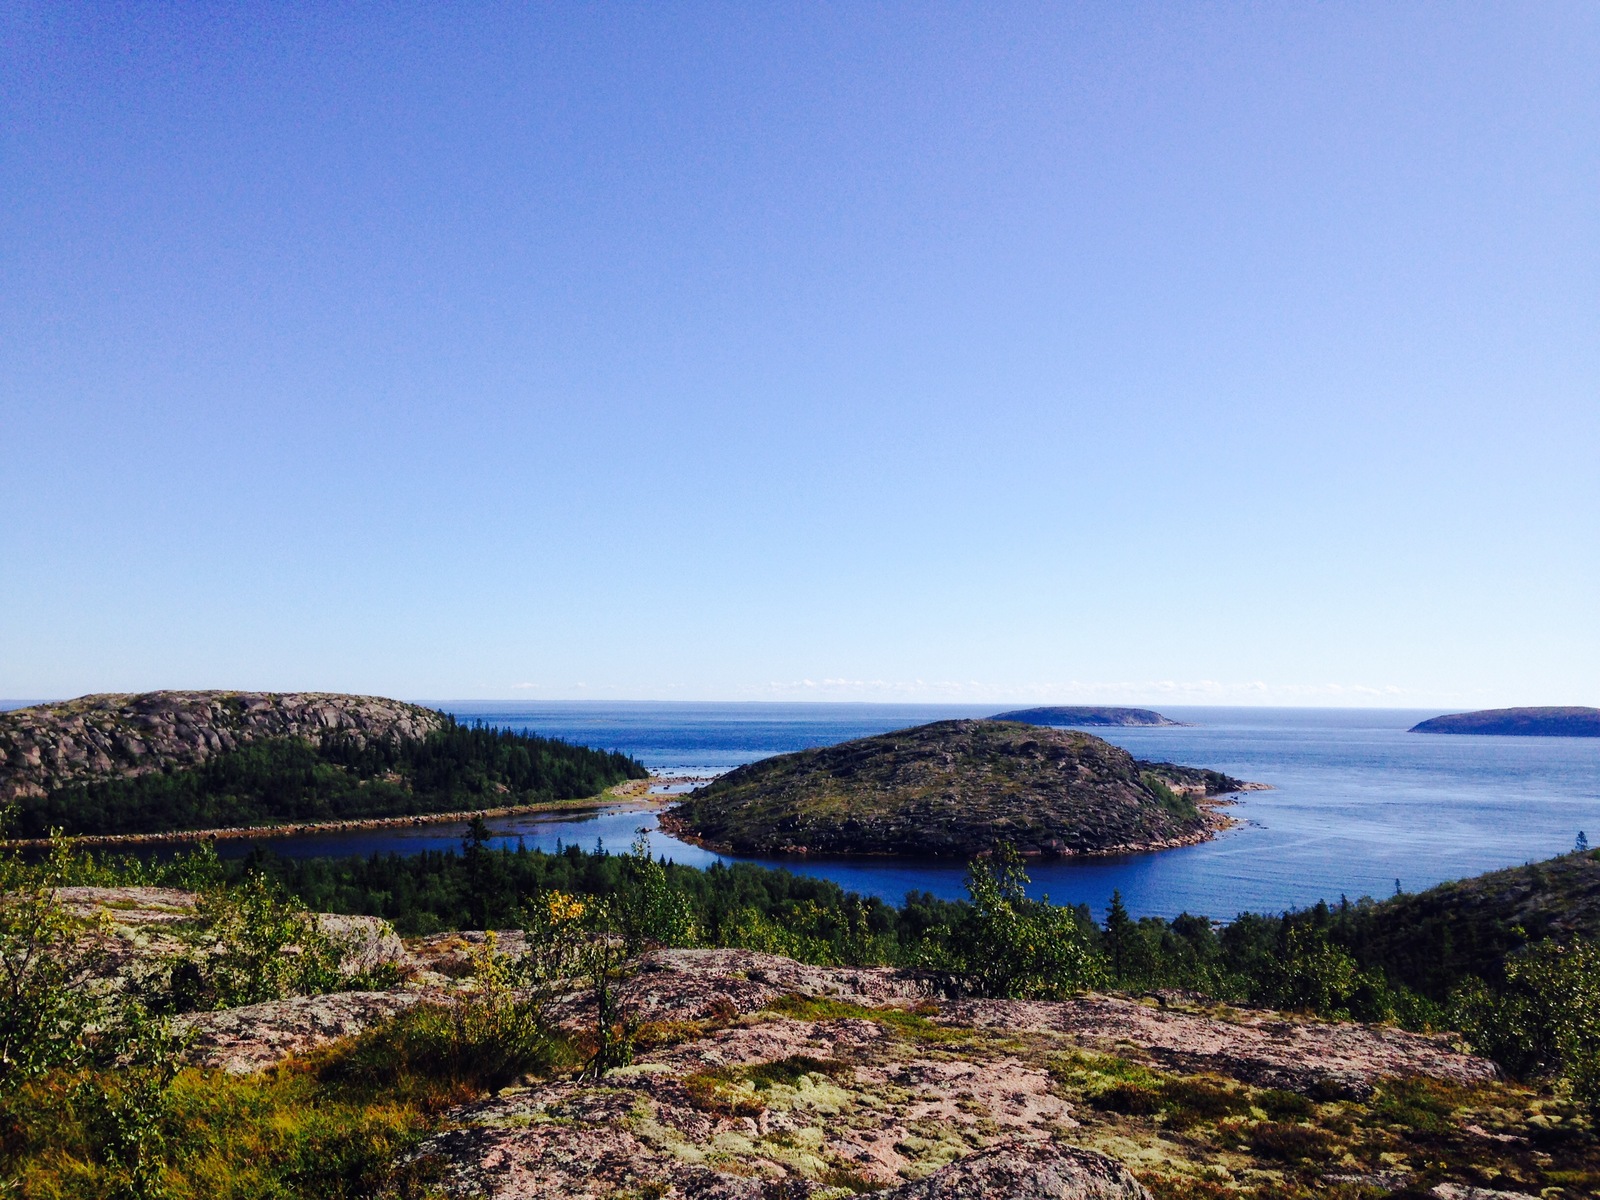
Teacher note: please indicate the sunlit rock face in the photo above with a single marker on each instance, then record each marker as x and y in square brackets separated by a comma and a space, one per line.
[99, 737]
[756, 1076]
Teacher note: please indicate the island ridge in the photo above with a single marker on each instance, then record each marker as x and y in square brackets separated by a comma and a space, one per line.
[955, 789]
[1518, 722]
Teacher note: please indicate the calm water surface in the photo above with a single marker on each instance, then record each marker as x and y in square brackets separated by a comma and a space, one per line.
[1357, 802]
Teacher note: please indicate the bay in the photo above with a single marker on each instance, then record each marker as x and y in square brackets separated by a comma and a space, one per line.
[1357, 803]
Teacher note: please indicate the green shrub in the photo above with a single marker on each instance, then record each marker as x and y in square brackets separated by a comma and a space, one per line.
[1289, 1143]
[718, 1092]
[215, 1137]
[1200, 1099]
[1130, 1098]
[433, 1056]
[1009, 945]
[1544, 1019]
[1284, 1106]
[48, 960]
[792, 1070]
[1413, 1104]
[649, 911]
[255, 943]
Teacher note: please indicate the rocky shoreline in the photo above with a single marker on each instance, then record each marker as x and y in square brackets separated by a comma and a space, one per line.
[1216, 822]
[954, 790]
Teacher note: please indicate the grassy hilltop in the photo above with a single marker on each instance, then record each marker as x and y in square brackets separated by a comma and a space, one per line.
[955, 789]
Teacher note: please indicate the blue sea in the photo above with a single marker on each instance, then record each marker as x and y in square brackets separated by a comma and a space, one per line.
[1358, 806]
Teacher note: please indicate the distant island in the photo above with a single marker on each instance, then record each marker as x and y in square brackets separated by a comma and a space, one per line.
[1518, 722]
[1085, 715]
[954, 789]
[158, 762]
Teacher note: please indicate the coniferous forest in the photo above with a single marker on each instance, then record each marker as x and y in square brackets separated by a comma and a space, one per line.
[458, 768]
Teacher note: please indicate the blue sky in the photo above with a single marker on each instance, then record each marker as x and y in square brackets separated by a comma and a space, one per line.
[1227, 352]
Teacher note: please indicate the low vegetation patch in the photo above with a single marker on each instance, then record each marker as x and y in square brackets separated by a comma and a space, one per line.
[434, 1056]
[907, 1023]
[210, 1136]
[722, 1093]
[1200, 1136]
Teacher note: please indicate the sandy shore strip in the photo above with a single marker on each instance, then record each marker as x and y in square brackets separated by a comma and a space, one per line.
[639, 794]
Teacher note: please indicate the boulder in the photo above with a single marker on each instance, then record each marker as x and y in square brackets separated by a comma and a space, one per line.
[1026, 1171]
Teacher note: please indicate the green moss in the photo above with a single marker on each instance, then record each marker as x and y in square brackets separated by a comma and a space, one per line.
[1417, 1105]
[790, 1071]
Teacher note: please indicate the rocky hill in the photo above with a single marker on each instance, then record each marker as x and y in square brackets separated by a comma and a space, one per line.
[955, 789]
[113, 736]
[1518, 722]
[1085, 715]
[232, 763]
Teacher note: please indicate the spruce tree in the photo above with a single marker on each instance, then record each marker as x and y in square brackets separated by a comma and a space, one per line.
[1119, 935]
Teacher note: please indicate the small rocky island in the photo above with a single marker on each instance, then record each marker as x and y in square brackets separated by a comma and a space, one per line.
[1518, 722]
[954, 789]
[1085, 714]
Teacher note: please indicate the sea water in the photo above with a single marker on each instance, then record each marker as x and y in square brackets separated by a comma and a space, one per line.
[1358, 805]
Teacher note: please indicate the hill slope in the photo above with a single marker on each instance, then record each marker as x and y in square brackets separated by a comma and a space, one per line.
[167, 761]
[954, 789]
[1433, 940]
[1519, 722]
[116, 736]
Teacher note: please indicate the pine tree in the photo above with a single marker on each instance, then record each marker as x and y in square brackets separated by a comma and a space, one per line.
[475, 855]
[1581, 846]
[1119, 935]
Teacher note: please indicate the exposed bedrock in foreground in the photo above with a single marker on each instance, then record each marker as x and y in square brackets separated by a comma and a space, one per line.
[759, 1077]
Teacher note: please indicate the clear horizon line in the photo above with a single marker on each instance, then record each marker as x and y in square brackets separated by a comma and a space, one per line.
[999, 705]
